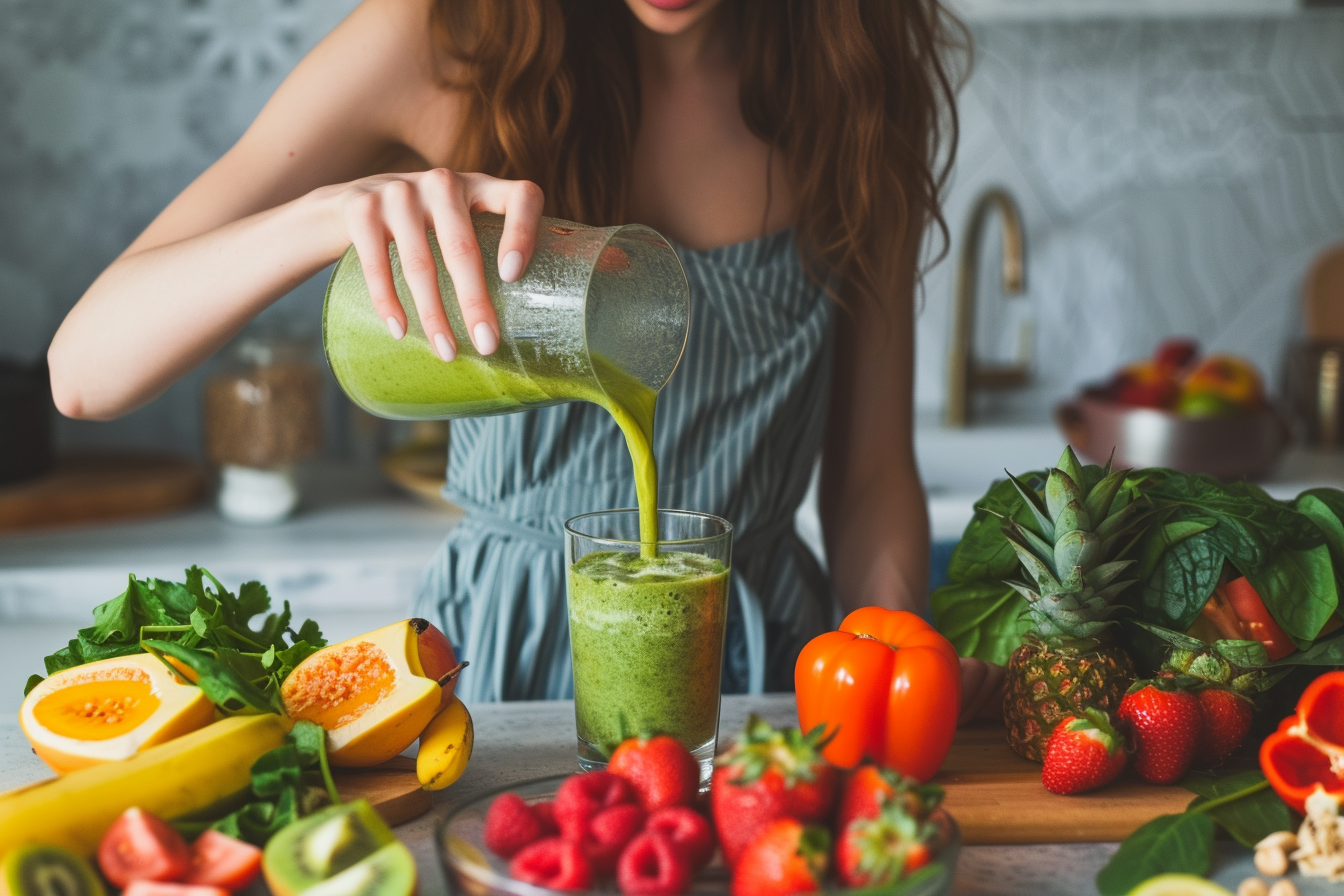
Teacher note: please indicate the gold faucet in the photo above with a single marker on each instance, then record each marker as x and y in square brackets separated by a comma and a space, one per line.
[964, 373]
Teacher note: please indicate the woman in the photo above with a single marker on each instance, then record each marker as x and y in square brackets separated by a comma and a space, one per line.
[791, 148]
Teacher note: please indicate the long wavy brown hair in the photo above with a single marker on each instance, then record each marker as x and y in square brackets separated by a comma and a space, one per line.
[857, 96]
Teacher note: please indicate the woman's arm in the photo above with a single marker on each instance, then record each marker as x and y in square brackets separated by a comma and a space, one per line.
[872, 505]
[873, 509]
[286, 201]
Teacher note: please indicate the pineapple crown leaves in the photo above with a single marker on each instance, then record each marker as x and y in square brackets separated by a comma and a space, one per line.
[885, 842]
[761, 747]
[1081, 522]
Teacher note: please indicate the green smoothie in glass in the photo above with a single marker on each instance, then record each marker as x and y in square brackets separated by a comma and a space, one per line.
[647, 640]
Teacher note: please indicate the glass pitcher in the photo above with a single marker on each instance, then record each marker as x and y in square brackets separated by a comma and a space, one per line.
[596, 307]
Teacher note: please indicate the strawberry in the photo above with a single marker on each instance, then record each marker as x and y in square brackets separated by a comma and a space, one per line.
[766, 775]
[609, 830]
[869, 786]
[1082, 754]
[787, 857]
[651, 866]
[687, 831]
[1164, 721]
[1226, 720]
[552, 862]
[661, 770]
[582, 796]
[882, 849]
[510, 824]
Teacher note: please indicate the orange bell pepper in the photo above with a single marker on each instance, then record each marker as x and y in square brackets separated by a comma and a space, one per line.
[1307, 751]
[886, 686]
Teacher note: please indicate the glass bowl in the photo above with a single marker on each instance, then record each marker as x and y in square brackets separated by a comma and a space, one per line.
[473, 870]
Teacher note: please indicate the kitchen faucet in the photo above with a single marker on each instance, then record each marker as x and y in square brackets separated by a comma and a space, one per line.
[964, 373]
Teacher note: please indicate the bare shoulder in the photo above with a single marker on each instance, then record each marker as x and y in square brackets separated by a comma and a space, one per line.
[378, 73]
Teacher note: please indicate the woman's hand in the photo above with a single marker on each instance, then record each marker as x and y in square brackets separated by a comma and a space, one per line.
[401, 207]
[982, 689]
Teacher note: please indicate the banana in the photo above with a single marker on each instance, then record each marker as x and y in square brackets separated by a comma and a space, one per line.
[445, 747]
[184, 775]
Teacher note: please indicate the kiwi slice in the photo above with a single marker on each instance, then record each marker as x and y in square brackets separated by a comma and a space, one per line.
[323, 845]
[388, 872]
[48, 871]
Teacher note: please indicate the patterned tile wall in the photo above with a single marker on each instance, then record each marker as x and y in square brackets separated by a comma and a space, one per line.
[1174, 176]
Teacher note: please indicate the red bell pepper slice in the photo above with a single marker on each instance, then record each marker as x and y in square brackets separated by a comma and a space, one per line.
[1307, 750]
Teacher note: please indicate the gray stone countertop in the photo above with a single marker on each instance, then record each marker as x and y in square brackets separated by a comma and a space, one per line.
[519, 741]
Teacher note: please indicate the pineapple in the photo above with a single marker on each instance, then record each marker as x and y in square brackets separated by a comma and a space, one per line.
[1071, 554]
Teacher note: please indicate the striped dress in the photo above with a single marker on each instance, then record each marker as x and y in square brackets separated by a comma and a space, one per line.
[738, 428]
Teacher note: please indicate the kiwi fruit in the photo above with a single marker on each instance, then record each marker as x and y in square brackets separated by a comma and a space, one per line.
[388, 872]
[47, 871]
[323, 846]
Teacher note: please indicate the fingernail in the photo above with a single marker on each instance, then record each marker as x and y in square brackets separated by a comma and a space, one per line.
[484, 337]
[444, 347]
[511, 266]
[395, 328]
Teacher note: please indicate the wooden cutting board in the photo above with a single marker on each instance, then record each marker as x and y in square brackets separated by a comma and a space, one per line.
[391, 788]
[100, 487]
[997, 798]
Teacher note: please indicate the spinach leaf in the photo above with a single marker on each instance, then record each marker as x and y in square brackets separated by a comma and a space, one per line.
[1299, 590]
[1325, 652]
[33, 681]
[1254, 810]
[981, 619]
[1167, 844]
[1181, 582]
[983, 554]
[1251, 525]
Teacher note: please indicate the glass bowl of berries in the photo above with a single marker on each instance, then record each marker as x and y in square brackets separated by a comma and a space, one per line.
[591, 833]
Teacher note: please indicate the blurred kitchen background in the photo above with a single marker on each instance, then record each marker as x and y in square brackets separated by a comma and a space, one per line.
[1178, 165]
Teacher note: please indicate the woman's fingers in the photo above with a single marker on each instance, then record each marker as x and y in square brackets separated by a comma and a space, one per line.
[406, 219]
[368, 233]
[446, 198]
[521, 202]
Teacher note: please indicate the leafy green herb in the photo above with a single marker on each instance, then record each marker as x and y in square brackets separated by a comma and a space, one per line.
[201, 623]
[1253, 813]
[289, 782]
[1167, 844]
[1241, 803]
[1325, 652]
[1299, 590]
[985, 620]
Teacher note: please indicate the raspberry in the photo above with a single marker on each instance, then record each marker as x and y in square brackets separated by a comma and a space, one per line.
[687, 831]
[545, 812]
[580, 797]
[650, 866]
[510, 824]
[553, 862]
[608, 833]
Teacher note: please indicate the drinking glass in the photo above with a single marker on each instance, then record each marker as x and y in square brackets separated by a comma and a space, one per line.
[595, 303]
[646, 632]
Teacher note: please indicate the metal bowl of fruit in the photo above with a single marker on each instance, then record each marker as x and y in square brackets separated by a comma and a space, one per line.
[472, 868]
[1177, 410]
